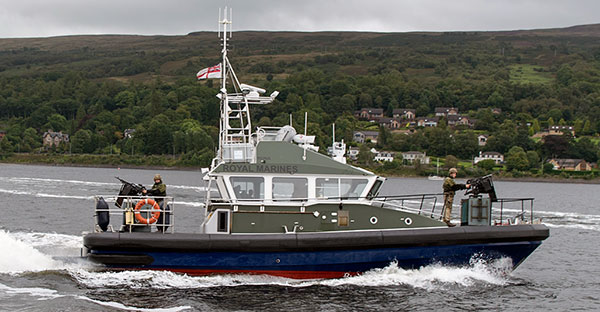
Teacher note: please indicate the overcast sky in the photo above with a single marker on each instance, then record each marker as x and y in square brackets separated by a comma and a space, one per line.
[42, 18]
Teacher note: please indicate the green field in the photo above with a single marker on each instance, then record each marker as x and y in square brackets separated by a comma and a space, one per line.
[526, 73]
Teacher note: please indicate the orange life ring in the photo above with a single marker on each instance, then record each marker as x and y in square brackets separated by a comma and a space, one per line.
[155, 214]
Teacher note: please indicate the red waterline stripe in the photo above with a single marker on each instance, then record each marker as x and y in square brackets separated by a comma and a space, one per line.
[287, 274]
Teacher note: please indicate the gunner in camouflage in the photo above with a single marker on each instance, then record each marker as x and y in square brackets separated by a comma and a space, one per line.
[158, 189]
[450, 187]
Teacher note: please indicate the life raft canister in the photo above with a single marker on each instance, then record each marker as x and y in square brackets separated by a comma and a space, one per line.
[155, 213]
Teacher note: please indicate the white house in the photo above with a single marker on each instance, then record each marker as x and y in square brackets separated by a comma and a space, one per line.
[353, 152]
[384, 156]
[413, 156]
[482, 139]
[427, 122]
[495, 156]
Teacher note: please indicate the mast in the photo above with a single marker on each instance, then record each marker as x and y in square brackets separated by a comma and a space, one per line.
[236, 143]
[224, 22]
[223, 91]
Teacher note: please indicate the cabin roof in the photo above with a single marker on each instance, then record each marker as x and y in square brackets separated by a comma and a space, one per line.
[287, 158]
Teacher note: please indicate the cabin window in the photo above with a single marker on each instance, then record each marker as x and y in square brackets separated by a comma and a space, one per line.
[290, 188]
[248, 187]
[375, 189]
[352, 188]
[344, 188]
[327, 187]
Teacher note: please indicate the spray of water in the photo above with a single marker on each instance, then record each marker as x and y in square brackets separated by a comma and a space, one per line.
[429, 278]
[17, 256]
[29, 247]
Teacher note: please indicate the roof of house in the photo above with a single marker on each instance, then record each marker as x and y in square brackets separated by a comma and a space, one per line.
[369, 133]
[372, 110]
[567, 162]
[413, 153]
[445, 109]
[491, 153]
[403, 110]
[426, 119]
[53, 134]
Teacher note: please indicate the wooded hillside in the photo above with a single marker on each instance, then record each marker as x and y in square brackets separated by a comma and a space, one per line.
[95, 87]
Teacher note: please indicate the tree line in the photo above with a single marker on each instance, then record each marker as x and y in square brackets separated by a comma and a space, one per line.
[173, 114]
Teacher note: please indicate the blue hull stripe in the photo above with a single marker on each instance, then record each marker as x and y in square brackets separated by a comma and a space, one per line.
[330, 261]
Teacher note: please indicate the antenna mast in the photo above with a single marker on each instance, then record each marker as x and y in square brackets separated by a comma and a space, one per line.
[223, 25]
[235, 129]
[226, 131]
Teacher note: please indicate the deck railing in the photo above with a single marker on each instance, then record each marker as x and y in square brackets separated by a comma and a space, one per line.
[132, 211]
[422, 204]
[518, 205]
[430, 205]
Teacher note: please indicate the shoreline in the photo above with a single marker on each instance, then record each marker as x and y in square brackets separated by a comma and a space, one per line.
[512, 179]
[548, 180]
[124, 166]
[191, 168]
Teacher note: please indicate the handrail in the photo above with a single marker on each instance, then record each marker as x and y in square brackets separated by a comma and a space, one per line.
[330, 198]
[384, 202]
[167, 211]
[389, 202]
[521, 215]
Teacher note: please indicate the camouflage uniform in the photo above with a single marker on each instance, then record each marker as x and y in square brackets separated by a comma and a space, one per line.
[450, 187]
[158, 189]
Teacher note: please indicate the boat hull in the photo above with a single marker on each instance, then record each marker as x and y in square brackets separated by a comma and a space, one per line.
[312, 255]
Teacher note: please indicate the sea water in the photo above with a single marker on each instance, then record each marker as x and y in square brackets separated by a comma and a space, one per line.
[45, 209]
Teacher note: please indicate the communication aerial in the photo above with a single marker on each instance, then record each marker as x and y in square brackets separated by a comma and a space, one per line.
[225, 21]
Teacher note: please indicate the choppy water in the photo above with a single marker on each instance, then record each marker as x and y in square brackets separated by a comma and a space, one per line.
[45, 209]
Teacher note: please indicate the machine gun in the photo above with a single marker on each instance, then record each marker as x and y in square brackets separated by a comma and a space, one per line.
[477, 210]
[482, 185]
[128, 189]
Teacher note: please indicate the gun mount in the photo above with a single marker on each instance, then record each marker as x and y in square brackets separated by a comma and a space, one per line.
[482, 185]
[128, 189]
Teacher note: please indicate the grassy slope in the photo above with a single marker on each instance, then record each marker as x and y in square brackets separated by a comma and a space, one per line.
[180, 56]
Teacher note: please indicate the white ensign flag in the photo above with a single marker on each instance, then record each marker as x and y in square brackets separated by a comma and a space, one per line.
[210, 72]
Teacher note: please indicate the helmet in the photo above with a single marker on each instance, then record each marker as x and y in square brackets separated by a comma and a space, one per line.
[157, 177]
[452, 170]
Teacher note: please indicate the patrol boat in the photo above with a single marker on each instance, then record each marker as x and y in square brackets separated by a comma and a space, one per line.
[286, 210]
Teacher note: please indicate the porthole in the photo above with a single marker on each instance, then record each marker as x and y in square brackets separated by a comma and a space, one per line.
[373, 220]
[408, 221]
